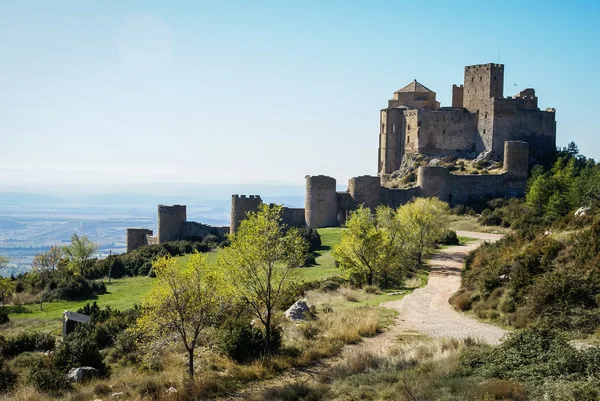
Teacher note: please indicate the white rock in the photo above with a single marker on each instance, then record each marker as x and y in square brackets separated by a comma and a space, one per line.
[82, 373]
[582, 211]
[298, 311]
[116, 395]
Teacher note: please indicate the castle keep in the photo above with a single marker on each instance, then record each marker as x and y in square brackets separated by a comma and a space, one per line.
[480, 120]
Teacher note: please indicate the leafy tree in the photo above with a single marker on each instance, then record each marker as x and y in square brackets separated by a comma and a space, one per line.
[46, 262]
[374, 249]
[260, 264]
[3, 262]
[7, 286]
[425, 220]
[79, 253]
[185, 300]
[539, 193]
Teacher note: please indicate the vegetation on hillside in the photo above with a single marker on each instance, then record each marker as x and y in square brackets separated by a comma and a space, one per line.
[382, 248]
[546, 274]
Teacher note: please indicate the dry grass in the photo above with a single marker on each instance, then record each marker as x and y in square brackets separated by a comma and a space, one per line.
[470, 223]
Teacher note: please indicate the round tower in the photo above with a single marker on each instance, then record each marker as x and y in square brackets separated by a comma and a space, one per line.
[365, 190]
[433, 181]
[170, 222]
[516, 158]
[240, 207]
[321, 201]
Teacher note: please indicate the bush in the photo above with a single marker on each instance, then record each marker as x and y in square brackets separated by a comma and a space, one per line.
[449, 237]
[26, 342]
[77, 351]
[72, 288]
[8, 378]
[372, 289]
[243, 343]
[47, 378]
[462, 301]
[328, 285]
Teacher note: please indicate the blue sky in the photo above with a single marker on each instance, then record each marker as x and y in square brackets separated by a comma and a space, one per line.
[119, 93]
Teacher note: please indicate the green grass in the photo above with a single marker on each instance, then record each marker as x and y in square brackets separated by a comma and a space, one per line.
[122, 294]
[325, 267]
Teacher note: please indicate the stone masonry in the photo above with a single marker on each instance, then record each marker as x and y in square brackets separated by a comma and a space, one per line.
[480, 119]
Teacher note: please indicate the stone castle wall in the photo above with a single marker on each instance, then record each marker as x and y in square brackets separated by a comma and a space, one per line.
[321, 201]
[136, 237]
[446, 132]
[193, 230]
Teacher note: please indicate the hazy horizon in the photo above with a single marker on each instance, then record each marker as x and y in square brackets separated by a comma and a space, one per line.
[121, 94]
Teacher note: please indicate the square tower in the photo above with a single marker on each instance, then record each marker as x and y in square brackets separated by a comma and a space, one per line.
[482, 82]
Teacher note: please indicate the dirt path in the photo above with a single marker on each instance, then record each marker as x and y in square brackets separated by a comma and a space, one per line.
[426, 311]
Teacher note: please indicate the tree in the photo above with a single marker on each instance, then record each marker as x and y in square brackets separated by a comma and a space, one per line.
[3, 262]
[260, 263]
[7, 286]
[539, 193]
[46, 262]
[185, 300]
[425, 220]
[79, 253]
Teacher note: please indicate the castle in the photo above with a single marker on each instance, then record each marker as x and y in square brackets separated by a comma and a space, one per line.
[480, 120]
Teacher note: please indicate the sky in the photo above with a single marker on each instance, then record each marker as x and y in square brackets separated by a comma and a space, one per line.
[116, 94]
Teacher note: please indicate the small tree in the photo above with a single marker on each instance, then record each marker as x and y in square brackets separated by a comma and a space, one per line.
[425, 219]
[185, 300]
[3, 262]
[374, 249]
[46, 262]
[260, 264]
[79, 253]
[6, 284]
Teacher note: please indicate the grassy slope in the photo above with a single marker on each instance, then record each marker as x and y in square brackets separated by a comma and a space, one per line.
[124, 293]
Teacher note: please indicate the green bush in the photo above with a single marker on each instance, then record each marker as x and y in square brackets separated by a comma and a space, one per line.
[329, 285]
[242, 342]
[45, 377]
[449, 237]
[25, 342]
[77, 351]
[8, 378]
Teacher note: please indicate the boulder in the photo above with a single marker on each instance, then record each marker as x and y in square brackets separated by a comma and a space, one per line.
[298, 311]
[171, 390]
[582, 211]
[82, 374]
[434, 162]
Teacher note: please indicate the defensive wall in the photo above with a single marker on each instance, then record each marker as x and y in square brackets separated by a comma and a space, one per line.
[326, 207]
[172, 226]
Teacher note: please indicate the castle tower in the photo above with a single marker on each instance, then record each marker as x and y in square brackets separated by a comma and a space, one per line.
[321, 201]
[170, 222]
[365, 190]
[516, 159]
[482, 82]
[433, 181]
[240, 207]
[137, 237]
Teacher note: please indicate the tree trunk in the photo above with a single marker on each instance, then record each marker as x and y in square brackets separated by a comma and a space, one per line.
[370, 278]
[191, 363]
[268, 334]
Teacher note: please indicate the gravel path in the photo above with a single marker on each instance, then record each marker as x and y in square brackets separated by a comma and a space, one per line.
[424, 311]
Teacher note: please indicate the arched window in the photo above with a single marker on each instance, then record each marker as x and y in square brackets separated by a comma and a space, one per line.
[393, 128]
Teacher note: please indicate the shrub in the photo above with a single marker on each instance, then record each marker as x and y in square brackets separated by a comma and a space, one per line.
[242, 342]
[328, 285]
[102, 389]
[76, 351]
[503, 390]
[295, 391]
[448, 237]
[47, 378]
[126, 347]
[372, 289]
[26, 342]
[462, 301]
[8, 378]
